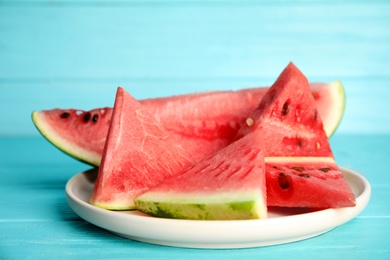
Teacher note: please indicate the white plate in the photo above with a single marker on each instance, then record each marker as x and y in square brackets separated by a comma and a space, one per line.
[282, 226]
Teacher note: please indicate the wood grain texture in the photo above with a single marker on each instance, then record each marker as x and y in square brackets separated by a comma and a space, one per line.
[36, 221]
[75, 54]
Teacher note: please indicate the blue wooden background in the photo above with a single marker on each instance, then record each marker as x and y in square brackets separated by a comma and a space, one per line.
[75, 53]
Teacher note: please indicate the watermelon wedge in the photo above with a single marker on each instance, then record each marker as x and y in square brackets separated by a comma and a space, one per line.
[202, 123]
[229, 185]
[300, 166]
[80, 134]
[288, 119]
[139, 153]
[312, 182]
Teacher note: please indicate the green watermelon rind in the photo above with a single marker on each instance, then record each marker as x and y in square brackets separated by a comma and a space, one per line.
[338, 98]
[119, 205]
[63, 144]
[230, 206]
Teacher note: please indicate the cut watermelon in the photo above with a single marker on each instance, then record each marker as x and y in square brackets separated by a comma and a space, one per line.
[202, 123]
[138, 154]
[229, 185]
[313, 182]
[288, 119]
[81, 134]
[330, 101]
[290, 127]
[300, 168]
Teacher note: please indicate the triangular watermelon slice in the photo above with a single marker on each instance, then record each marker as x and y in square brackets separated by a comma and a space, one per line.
[229, 185]
[139, 153]
[288, 119]
[78, 133]
[300, 167]
[202, 122]
[312, 182]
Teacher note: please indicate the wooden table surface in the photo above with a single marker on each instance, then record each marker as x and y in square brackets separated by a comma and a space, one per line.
[75, 54]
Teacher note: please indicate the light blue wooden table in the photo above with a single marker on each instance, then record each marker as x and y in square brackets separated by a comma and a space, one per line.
[75, 53]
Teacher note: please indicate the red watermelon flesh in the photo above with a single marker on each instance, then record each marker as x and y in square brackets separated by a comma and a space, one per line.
[79, 133]
[203, 123]
[288, 119]
[138, 154]
[228, 185]
[313, 182]
[293, 136]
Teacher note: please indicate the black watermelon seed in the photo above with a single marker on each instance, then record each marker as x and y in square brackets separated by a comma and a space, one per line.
[298, 168]
[65, 115]
[283, 181]
[95, 118]
[299, 142]
[326, 169]
[286, 109]
[315, 116]
[304, 175]
[86, 117]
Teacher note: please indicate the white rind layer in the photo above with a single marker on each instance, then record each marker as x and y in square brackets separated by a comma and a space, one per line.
[338, 96]
[63, 144]
[225, 205]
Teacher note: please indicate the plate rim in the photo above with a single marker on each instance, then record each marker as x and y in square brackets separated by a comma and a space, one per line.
[206, 233]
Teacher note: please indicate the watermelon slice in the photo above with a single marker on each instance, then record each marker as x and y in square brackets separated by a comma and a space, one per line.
[292, 135]
[139, 153]
[313, 182]
[299, 166]
[81, 134]
[228, 185]
[202, 123]
[288, 119]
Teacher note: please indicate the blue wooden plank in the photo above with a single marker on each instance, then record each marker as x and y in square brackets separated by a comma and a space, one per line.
[55, 54]
[36, 221]
[53, 41]
[75, 53]
[360, 239]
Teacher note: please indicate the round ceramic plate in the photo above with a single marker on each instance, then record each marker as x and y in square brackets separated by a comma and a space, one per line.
[281, 226]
